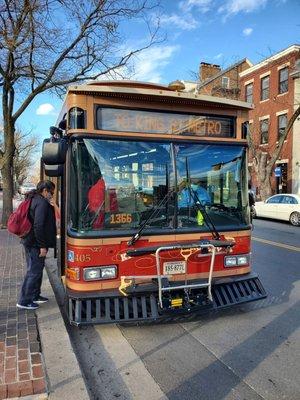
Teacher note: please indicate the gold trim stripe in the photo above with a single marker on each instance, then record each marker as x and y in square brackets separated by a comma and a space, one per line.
[194, 138]
[157, 238]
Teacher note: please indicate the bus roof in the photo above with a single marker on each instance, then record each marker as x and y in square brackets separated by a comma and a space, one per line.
[142, 90]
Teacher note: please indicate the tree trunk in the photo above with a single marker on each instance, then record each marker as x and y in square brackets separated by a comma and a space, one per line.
[8, 190]
[263, 176]
[7, 172]
[265, 188]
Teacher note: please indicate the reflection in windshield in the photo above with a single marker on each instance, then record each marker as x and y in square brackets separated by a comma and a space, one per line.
[116, 185]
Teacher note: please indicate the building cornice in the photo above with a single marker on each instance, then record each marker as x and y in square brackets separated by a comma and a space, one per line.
[268, 60]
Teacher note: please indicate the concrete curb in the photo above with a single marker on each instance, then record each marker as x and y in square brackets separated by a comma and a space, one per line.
[42, 396]
[63, 374]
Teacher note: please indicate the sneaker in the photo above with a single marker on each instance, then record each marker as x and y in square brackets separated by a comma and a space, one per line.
[29, 306]
[40, 300]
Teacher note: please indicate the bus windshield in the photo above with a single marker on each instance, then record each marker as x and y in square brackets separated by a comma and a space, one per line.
[115, 185]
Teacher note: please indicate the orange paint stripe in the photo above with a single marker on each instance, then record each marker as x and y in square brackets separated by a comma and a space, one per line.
[157, 238]
[97, 286]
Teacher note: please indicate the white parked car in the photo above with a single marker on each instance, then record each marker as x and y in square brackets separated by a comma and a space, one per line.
[280, 206]
[26, 187]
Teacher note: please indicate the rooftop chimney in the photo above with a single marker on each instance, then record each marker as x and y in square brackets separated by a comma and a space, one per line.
[207, 70]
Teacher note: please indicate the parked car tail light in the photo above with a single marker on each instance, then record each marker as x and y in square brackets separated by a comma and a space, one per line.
[100, 273]
[236, 261]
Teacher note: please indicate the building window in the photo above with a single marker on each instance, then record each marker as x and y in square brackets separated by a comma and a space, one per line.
[225, 82]
[264, 88]
[264, 131]
[283, 80]
[249, 93]
[245, 130]
[282, 123]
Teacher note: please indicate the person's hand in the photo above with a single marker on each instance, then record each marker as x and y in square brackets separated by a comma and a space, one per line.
[43, 252]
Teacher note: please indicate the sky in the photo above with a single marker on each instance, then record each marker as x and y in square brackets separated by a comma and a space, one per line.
[214, 31]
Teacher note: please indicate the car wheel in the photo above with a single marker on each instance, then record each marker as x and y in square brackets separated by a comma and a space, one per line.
[295, 218]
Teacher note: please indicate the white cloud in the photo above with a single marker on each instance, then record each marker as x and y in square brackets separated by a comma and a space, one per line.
[45, 109]
[149, 64]
[232, 7]
[247, 31]
[185, 22]
[202, 5]
[218, 56]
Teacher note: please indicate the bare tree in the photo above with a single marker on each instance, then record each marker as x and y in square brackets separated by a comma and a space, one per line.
[25, 147]
[264, 161]
[48, 44]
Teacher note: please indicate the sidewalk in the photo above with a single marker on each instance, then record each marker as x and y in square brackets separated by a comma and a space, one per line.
[21, 363]
[21, 367]
[37, 361]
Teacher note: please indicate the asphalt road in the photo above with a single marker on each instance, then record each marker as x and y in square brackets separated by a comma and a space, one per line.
[249, 352]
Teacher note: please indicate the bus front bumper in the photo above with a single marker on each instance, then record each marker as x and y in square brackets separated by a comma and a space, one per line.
[142, 303]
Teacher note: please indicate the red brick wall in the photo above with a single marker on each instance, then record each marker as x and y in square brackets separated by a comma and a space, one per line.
[215, 86]
[275, 103]
[207, 70]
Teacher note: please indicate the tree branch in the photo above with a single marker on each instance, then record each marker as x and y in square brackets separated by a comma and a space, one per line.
[282, 138]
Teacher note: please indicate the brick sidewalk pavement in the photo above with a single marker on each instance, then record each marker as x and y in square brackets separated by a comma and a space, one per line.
[21, 368]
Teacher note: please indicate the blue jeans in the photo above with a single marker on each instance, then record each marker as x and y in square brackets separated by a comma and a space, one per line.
[31, 287]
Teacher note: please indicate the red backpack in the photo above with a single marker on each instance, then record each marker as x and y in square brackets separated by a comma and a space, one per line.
[18, 222]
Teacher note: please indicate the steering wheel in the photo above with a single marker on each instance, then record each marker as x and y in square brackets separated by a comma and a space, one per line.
[219, 206]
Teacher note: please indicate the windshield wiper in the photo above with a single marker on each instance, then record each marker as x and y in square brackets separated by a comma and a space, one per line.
[155, 211]
[199, 205]
[88, 225]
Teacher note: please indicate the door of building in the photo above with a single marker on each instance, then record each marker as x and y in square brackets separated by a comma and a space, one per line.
[281, 181]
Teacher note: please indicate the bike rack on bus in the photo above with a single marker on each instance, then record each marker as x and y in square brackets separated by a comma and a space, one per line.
[198, 246]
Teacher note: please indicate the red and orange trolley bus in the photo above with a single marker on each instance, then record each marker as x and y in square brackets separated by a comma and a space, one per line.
[152, 185]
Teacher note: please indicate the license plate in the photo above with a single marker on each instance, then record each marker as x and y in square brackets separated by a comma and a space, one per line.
[174, 267]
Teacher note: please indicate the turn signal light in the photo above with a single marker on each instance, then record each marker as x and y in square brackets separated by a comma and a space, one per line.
[73, 273]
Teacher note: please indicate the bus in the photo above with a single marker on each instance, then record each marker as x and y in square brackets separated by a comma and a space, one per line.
[152, 182]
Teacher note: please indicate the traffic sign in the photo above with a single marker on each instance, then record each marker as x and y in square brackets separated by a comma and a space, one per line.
[277, 172]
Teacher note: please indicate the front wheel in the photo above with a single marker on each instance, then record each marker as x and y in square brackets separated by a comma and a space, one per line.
[295, 218]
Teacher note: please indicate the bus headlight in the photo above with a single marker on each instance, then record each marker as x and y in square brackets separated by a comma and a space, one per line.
[230, 261]
[99, 273]
[109, 272]
[236, 261]
[243, 260]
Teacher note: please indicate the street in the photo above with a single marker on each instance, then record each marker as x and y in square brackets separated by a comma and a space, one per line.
[249, 352]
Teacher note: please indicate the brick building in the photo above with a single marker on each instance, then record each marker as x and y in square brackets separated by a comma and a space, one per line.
[273, 86]
[222, 83]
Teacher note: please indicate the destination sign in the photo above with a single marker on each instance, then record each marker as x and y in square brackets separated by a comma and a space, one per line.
[127, 120]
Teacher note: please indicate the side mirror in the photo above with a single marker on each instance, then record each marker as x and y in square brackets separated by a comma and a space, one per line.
[63, 124]
[54, 170]
[54, 151]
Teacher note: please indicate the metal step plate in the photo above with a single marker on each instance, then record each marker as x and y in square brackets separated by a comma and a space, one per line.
[144, 307]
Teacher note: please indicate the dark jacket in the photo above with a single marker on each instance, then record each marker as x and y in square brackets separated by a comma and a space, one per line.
[43, 231]
[251, 198]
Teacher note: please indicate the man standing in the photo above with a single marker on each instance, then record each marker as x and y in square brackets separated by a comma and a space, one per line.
[251, 197]
[41, 236]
